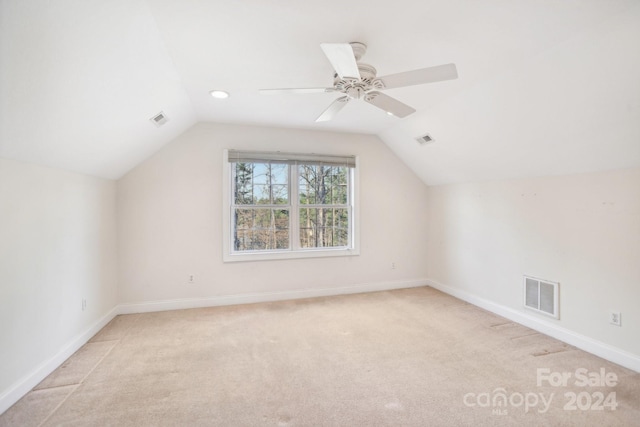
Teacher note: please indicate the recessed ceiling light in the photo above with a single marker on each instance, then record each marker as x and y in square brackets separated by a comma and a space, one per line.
[220, 94]
[390, 113]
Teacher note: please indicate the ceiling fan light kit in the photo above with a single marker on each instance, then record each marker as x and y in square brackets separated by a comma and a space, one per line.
[356, 80]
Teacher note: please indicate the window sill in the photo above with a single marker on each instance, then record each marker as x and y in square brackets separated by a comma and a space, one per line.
[280, 255]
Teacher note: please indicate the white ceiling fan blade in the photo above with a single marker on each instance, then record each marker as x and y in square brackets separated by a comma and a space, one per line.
[421, 76]
[342, 59]
[297, 90]
[391, 105]
[333, 109]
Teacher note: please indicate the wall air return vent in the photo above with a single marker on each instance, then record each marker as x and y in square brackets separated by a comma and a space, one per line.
[541, 296]
[159, 119]
[424, 139]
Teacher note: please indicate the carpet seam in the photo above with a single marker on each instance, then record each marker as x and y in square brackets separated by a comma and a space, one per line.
[116, 342]
[53, 411]
[524, 336]
[54, 386]
[59, 405]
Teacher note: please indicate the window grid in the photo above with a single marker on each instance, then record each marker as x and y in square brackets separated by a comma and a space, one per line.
[337, 212]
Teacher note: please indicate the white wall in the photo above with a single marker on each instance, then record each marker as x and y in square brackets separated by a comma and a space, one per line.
[57, 246]
[580, 230]
[170, 219]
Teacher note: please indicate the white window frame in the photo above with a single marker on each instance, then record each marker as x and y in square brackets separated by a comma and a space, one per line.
[229, 255]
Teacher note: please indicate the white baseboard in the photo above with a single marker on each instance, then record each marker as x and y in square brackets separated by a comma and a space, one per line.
[24, 385]
[606, 351]
[178, 304]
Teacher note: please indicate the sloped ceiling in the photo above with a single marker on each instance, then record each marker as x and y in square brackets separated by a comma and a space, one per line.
[545, 87]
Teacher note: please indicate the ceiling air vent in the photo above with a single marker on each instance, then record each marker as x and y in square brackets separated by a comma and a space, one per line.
[159, 119]
[541, 296]
[424, 139]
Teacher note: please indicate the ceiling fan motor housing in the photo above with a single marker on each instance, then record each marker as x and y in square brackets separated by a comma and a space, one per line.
[356, 88]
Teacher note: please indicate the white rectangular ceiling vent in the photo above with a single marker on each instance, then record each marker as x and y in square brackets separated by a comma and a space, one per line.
[159, 119]
[424, 139]
[541, 296]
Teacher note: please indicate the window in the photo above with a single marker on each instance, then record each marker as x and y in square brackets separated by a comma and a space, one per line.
[280, 205]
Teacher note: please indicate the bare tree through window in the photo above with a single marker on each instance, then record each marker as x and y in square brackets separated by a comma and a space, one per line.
[290, 205]
[324, 215]
[262, 212]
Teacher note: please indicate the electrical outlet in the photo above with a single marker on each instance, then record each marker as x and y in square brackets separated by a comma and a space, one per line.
[84, 304]
[615, 318]
[192, 279]
[393, 265]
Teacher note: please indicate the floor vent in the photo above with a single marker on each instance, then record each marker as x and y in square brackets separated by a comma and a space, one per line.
[541, 296]
[424, 139]
[159, 119]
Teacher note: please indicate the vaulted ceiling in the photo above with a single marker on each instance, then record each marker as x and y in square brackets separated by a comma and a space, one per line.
[545, 87]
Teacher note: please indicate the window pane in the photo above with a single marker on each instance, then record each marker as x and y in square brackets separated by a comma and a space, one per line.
[261, 184]
[339, 186]
[324, 227]
[244, 184]
[261, 229]
[260, 173]
[279, 173]
[280, 194]
[322, 184]
[261, 194]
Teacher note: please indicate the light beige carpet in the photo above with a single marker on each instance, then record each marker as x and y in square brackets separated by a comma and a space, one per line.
[413, 357]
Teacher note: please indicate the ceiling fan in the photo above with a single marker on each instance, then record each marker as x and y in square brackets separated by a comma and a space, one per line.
[358, 81]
